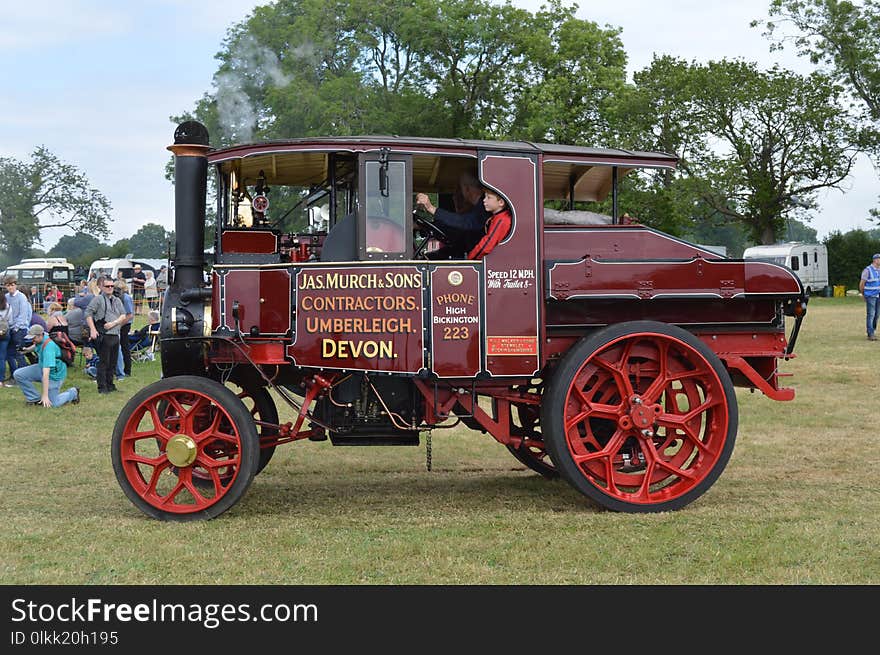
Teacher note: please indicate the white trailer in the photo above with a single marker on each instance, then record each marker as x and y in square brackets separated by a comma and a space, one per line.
[809, 261]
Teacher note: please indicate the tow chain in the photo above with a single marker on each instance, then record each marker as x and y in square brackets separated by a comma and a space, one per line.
[428, 451]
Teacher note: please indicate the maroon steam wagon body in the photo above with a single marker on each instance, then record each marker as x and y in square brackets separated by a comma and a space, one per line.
[594, 348]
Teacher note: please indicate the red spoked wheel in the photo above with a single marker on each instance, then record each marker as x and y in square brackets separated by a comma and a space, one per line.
[184, 448]
[640, 417]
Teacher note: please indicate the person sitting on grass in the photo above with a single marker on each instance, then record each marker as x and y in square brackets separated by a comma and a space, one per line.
[56, 321]
[77, 329]
[50, 370]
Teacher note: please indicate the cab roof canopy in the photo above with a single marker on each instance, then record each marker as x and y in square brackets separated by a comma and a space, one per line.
[437, 163]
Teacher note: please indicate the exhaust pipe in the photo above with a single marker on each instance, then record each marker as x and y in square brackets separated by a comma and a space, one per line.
[186, 311]
[190, 186]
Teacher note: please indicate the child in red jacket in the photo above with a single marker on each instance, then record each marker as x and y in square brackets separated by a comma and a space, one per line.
[497, 227]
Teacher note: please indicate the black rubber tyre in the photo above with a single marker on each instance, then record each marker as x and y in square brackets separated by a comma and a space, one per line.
[262, 408]
[533, 452]
[188, 407]
[538, 461]
[614, 425]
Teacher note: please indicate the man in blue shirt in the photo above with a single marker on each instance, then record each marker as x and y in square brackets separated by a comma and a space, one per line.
[869, 288]
[49, 370]
[19, 322]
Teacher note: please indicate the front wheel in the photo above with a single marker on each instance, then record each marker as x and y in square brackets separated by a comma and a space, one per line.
[640, 417]
[184, 448]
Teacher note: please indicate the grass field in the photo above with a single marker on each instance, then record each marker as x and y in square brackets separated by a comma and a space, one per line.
[798, 503]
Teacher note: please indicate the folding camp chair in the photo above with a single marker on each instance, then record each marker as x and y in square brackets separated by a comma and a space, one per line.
[146, 353]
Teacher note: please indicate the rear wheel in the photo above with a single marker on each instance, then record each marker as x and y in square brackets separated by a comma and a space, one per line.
[178, 431]
[532, 452]
[263, 412]
[640, 417]
[265, 418]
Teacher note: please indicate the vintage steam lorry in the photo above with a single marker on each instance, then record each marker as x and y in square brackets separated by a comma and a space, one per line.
[603, 353]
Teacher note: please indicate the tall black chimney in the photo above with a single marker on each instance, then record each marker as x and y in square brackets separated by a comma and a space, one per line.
[190, 186]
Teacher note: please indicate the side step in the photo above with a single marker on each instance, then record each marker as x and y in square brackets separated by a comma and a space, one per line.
[376, 439]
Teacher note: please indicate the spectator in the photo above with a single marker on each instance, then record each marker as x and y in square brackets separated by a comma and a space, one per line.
[92, 360]
[91, 357]
[36, 319]
[83, 298]
[36, 299]
[77, 329]
[5, 317]
[50, 370]
[141, 338]
[52, 295]
[56, 321]
[137, 287]
[162, 280]
[21, 312]
[151, 292]
[121, 292]
[869, 289]
[108, 313]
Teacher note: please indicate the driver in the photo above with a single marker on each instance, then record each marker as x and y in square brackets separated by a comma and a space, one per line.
[466, 225]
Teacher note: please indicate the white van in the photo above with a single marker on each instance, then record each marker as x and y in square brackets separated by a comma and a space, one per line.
[115, 268]
[42, 271]
[809, 261]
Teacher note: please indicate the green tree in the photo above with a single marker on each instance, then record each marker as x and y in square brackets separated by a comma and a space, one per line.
[848, 254]
[79, 249]
[755, 146]
[839, 35]
[46, 193]
[149, 241]
[781, 136]
[842, 38]
[19, 229]
[570, 76]
[438, 68]
[444, 68]
[119, 249]
[795, 230]
[656, 113]
[717, 230]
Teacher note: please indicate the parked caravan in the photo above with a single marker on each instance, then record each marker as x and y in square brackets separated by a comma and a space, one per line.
[149, 264]
[42, 271]
[809, 261]
[115, 268]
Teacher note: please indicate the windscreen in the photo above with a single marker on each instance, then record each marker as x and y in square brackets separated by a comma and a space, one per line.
[386, 208]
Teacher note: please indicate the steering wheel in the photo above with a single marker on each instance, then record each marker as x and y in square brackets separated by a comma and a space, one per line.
[384, 235]
[432, 229]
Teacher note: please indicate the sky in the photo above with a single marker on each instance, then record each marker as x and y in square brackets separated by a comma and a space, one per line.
[96, 82]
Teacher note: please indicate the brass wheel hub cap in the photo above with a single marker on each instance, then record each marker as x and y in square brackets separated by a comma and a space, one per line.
[181, 450]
